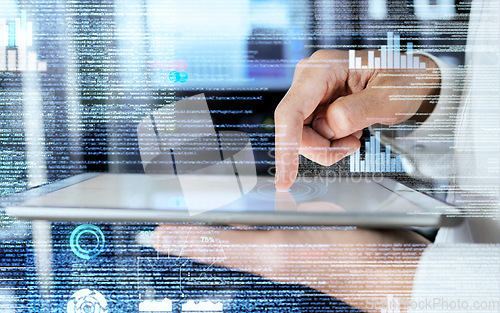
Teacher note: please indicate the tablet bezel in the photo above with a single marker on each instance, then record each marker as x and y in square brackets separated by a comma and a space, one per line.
[14, 207]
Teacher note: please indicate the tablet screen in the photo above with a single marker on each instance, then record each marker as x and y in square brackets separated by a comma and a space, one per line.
[222, 193]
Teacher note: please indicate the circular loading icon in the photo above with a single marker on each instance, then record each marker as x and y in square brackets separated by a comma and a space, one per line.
[87, 241]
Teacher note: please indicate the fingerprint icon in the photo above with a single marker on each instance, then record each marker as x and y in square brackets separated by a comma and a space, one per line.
[87, 301]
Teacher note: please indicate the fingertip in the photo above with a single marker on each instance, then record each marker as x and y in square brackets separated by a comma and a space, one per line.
[286, 170]
[358, 134]
[283, 184]
[320, 125]
[346, 115]
[284, 178]
[356, 145]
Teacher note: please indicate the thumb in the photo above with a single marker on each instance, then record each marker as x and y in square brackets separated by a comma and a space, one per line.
[351, 113]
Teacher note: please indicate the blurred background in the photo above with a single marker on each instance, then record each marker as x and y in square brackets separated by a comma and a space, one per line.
[101, 66]
[76, 77]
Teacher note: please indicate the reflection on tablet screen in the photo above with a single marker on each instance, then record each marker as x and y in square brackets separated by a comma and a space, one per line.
[163, 192]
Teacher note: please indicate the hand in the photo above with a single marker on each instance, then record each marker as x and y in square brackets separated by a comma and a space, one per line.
[358, 266]
[327, 106]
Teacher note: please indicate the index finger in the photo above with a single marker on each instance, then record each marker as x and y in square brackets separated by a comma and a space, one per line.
[300, 101]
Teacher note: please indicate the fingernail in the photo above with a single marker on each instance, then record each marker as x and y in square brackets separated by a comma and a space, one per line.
[321, 127]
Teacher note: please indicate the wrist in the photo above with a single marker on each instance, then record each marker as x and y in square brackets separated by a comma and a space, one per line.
[432, 79]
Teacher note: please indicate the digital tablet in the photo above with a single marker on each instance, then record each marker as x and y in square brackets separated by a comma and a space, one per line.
[222, 200]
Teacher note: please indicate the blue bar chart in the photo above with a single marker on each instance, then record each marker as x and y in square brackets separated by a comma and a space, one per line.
[16, 46]
[376, 159]
[390, 57]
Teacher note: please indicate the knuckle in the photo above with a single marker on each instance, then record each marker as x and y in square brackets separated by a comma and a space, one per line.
[303, 62]
[278, 112]
[301, 65]
[321, 54]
